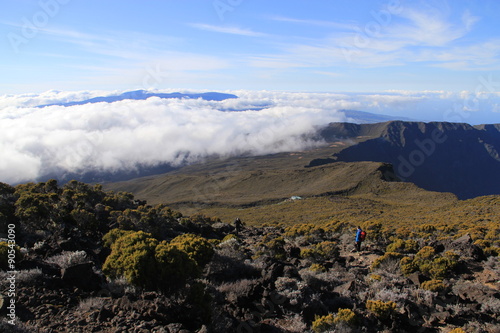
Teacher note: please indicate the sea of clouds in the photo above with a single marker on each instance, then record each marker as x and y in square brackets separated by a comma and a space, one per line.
[113, 137]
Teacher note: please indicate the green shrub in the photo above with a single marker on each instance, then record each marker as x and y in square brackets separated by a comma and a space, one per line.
[133, 256]
[430, 264]
[439, 268]
[85, 220]
[373, 229]
[229, 237]
[433, 285]
[110, 238]
[328, 322]
[336, 226]
[385, 258]
[403, 246]
[145, 262]
[198, 248]
[427, 228]
[322, 251]
[200, 299]
[425, 253]
[304, 229]
[308, 253]
[492, 251]
[318, 268]
[328, 250]
[323, 323]
[408, 265]
[345, 316]
[382, 310]
[174, 267]
[275, 247]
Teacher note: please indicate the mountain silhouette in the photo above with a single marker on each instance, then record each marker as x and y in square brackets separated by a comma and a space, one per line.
[437, 156]
[143, 94]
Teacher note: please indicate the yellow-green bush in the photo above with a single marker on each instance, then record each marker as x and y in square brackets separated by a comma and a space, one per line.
[403, 246]
[386, 257]
[174, 266]
[425, 253]
[229, 237]
[436, 266]
[328, 250]
[328, 322]
[323, 323]
[318, 268]
[346, 316]
[492, 251]
[198, 248]
[488, 248]
[113, 235]
[373, 229]
[427, 228]
[274, 247]
[304, 229]
[457, 330]
[408, 265]
[84, 219]
[322, 251]
[439, 268]
[336, 226]
[381, 309]
[145, 262]
[133, 256]
[433, 285]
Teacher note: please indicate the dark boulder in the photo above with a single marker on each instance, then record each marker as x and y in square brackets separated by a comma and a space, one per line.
[465, 248]
[81, 276]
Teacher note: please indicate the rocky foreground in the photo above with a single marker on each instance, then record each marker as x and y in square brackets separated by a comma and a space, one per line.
[302, 279]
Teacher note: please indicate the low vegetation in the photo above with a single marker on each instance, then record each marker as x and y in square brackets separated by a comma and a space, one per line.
[95, 260]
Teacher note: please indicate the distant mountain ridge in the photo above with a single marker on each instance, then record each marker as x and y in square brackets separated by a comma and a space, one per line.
[362, 117]
[437, 156]
[143, 94]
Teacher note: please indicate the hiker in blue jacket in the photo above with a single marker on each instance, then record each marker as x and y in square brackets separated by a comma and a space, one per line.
[360, 237]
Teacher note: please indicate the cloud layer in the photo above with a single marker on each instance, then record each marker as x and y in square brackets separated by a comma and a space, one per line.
[122, 135]
[112, 137]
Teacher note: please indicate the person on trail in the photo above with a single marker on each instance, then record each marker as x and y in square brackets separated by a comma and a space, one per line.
[237, 224]
[360, 237]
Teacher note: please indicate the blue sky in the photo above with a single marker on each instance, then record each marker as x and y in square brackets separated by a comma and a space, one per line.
[299, 61]
[292, 45]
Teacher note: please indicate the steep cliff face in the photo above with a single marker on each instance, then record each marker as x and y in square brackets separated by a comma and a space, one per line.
[438, 156]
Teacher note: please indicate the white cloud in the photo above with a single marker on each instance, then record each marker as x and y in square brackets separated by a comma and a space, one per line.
[122, 135]
[227, 30]
[427, 34]
[321, 23]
